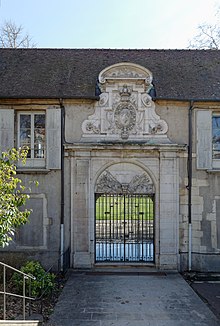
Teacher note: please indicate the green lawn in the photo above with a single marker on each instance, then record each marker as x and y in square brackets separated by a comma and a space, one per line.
[120, 207]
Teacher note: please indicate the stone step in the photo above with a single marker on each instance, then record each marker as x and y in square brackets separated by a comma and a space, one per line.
[21, 322]
[203, 276]
[119, 269]
[32, 320]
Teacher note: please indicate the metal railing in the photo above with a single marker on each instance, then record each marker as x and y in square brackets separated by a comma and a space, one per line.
[23, 296]
[60, 267]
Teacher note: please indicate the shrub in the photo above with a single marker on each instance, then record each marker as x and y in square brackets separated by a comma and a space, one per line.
[44, 282]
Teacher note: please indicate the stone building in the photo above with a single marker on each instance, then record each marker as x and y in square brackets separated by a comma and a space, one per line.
[125, 145]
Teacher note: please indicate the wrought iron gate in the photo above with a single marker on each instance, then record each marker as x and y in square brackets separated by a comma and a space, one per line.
[124, 226]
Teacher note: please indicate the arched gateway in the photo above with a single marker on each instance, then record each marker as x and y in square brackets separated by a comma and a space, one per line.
[124, 218]
[124, 176]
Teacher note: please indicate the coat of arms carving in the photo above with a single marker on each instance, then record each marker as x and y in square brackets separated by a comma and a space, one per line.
[125, 110]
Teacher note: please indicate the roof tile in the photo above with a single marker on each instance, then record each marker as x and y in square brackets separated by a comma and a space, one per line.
[72, 73]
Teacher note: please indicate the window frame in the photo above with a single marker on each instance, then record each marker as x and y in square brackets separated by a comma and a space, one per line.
[215, 161]
[32, 162]
[203, 139]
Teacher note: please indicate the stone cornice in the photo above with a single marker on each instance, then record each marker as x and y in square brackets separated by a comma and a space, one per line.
[132, 146]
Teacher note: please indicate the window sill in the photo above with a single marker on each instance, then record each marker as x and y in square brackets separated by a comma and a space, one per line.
[214, 170]
[26, 170]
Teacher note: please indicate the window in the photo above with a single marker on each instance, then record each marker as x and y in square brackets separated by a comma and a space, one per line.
[31, 133]
[208, 139]
[40, 130]
[216, 136]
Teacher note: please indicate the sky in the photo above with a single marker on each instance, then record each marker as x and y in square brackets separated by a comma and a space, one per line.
[130, 24]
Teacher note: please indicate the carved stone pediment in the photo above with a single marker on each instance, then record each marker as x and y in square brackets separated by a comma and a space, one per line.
[126, 71]
[139, 184]
[125, 109]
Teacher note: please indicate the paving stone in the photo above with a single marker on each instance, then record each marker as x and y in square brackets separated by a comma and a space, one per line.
[130, 300]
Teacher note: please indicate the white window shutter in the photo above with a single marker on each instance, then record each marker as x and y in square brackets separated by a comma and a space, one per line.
[204, 139]
[53, 135]
[6, 129]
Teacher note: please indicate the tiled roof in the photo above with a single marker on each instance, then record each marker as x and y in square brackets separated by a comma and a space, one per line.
[72, 73]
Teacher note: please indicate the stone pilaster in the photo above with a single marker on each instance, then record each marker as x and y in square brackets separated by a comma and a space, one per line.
[80, 197]
[169, 214]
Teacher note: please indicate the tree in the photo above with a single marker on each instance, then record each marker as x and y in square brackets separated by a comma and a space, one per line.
[12, 195]
[208, 36]
[13, 36]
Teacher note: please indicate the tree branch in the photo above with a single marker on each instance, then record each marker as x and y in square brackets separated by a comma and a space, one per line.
[12, 36]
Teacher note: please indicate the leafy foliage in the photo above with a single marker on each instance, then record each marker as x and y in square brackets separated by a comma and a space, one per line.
[44, 282]
[12, 195]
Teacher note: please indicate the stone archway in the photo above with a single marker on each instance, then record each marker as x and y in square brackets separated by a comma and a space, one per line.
[124, 215]
[151, 170]
[124, 143]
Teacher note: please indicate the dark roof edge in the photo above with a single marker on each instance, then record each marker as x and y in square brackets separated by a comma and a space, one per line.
[51, 97]
[188, 99]
[109, 49]
[97, 98]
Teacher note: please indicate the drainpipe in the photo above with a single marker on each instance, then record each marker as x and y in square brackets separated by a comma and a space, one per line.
[62, 187]
[189, 187]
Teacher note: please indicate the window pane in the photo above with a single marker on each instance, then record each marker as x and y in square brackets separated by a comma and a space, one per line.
[25, 121]
[32, 134]
[39, 121]
[25, 132]
[25, 136]
[39, 135]
[216, 137]
[39, 151]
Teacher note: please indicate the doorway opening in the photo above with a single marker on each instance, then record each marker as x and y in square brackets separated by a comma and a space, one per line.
[124, 227]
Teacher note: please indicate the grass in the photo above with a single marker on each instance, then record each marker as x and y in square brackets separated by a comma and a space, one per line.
[120, 207]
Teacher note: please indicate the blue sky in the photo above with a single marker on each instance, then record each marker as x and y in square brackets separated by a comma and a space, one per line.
[154, 24]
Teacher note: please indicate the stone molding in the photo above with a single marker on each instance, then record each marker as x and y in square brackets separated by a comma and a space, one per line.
[125, 109]
[125, 71]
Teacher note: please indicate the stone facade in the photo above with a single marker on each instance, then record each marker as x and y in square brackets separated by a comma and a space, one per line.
[124, 163]
[123, 140]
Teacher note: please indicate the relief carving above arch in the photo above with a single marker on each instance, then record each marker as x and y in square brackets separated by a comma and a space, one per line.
[139, 184]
